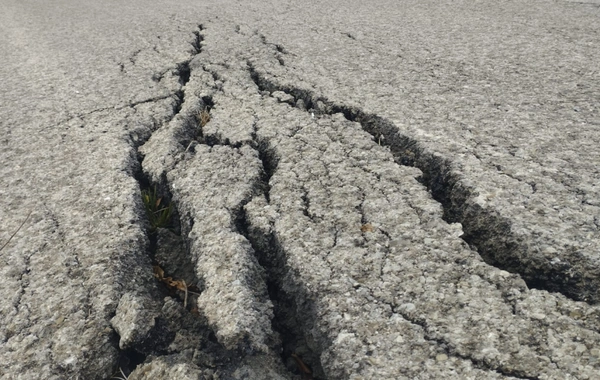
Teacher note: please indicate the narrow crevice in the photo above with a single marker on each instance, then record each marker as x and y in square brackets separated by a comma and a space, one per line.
[451, 351]
[129, 360]
[306, 203]
[179, 99]
[279, 48]
[294, 314]
[84, 115]
[171, 252]
[447, 347]
[168, 233]
[287, 322]
[270, 256]
[151, 100]
[133, 57]
[168, 248]
[183, 72]
[280, 51]
[203, 117]
[242, 226]
[167, 252]
[197, 42]
[208, 103]
[215, 75]
[171, 242]
[485, 230]
[269, 163]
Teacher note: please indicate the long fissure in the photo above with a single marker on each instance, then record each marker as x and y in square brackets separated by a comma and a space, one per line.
[167, 251]
[491, 235]
[288, 295]
[189, 119]
[272, 258]
[309, 103]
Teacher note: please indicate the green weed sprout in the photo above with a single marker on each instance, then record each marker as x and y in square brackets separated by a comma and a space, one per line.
[158, 214]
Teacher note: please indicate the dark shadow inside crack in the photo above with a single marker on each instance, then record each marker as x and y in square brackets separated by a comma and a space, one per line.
[202, 118]
[179, 99]
[294, 310]
[183, 72]
[208, 102]
[129, 360]
[293, 336]
[293, 313]
[169, 250]
[172, 269]
[485, 230]
[197, 42]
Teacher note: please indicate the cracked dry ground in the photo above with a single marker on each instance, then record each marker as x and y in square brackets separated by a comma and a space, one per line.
[315, 252]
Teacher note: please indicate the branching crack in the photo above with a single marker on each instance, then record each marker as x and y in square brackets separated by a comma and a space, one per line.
[271, 256]
[167, 249]
[451, 350]
[485, 229]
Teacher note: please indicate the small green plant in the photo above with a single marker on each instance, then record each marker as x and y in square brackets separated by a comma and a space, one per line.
[158, 214]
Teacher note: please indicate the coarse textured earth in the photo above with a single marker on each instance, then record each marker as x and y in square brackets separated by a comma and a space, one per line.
[390, 190]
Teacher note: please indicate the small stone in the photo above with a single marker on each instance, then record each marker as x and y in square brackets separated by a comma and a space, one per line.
[576, 314]
[407, 307]
[283, 97]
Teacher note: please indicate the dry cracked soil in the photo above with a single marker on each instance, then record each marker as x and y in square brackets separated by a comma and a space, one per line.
[392, 190]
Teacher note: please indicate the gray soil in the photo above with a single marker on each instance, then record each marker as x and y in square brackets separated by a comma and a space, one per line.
[391, 190]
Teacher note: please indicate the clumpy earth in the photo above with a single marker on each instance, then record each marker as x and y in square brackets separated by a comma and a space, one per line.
[392, 191]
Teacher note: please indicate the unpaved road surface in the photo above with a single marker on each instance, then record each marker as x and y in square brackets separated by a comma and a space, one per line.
[391, 190]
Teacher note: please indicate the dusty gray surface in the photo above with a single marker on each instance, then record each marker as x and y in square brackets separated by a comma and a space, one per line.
[399, 191]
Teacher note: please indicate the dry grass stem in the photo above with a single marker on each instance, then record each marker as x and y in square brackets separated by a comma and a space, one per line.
[203, 117]
[14, 233]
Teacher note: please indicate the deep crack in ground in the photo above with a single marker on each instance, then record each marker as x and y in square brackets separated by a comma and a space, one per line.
[492, 238]
[271, 256]
[295, 313]
[308, 103]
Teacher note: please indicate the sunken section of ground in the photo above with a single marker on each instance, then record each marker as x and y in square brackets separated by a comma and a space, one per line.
[314, 242]
[309, 239]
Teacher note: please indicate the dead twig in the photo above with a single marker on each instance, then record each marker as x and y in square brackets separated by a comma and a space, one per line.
[172, 284]
[306, 372]
[14, 233]
[121, 376]
[185, 289]
[203, 117]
